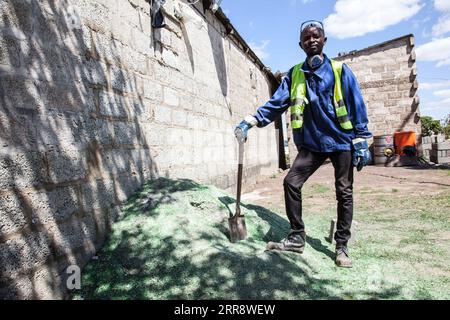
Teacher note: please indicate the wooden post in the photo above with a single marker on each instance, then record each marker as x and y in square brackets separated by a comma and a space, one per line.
[333, 230]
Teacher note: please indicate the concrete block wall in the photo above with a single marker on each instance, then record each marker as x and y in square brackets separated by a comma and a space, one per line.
[93, 103]
[440, 152]
[428, 141]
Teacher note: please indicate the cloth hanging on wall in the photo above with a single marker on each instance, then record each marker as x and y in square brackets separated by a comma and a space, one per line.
[215, 4]
[157, 15]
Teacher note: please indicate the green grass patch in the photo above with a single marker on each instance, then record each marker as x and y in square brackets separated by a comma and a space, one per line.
[319, 189]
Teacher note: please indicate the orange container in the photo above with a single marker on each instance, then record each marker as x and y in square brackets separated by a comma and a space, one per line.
[403, 139]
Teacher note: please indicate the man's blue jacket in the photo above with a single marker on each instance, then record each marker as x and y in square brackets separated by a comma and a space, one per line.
[321, 131]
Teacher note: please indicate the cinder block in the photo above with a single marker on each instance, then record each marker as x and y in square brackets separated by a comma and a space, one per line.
[114, 214]
[19, 90]
[140, 109]
[441, 160]
[170, 58]
[406, 87]
[67, 237]
[95, 72]
[15, 287]
[13, 213]
[24, 253]
[152, 90]
[155, 135]
[11, 52]
[63, 68]
[438, 138]
[179, 117]
[107, 48]
[18, 128]
[441, 145]
[66, 96]
[111, 104]
[63, 130]
[123, 80]
[140, 41]
[171, 97]
[101, 131]
[393, 67]
[103, 225]
[98, 194]
[142, 161]
[64, 166]
[17, 20]
[120, 29]
[378, 69]
[23, 169]
[395, 95]
[50, 207]
[163, 114]
[96, 15]
[89, 233]
[426, 141]
[333, 230]
[127, 185]
[43, 289]
[115, 161]
[163, 74]
[127, 133]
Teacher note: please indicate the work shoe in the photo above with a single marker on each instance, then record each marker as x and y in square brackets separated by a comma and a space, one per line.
[342, 258]
[295, 243]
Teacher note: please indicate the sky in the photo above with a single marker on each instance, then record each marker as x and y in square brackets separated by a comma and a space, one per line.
[271, 28]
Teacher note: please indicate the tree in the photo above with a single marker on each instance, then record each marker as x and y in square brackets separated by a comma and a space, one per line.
[430, 126]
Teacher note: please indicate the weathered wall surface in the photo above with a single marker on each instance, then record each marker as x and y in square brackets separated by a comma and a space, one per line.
[93, 102]
[387, 76]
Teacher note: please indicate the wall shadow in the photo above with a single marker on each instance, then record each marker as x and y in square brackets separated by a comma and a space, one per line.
[187, 43]
[216, 40]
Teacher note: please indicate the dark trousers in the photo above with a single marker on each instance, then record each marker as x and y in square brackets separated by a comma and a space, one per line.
[305, 164]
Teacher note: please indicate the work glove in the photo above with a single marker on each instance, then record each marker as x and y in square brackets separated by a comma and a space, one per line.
[241, 130]
[361, 153]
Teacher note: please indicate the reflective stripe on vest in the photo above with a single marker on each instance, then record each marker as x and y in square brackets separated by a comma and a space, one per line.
[299, 100]
[298, 97]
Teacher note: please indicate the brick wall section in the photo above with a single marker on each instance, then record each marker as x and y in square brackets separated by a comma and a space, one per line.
[440, 152]
[387, 75]
[427, 144]
[94, 102]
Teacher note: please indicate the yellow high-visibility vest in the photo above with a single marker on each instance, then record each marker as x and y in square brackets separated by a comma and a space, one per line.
[299, 100]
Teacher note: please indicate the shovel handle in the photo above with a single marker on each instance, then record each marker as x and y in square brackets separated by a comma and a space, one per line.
[239, 178]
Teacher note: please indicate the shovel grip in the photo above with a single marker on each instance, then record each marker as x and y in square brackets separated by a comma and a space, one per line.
[239, 178]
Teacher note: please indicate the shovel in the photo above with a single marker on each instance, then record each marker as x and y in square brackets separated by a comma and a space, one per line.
[238, 230]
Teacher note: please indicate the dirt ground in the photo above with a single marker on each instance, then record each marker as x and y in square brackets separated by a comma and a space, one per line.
[369, 183]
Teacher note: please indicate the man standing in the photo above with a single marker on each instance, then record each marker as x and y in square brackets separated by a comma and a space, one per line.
[329, 120]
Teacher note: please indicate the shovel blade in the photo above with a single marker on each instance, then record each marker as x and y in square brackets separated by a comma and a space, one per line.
[238, 230]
